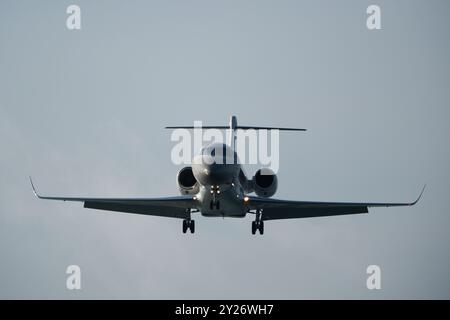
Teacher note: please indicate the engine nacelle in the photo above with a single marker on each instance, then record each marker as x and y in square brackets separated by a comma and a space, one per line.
[187, 184]
[265, 185]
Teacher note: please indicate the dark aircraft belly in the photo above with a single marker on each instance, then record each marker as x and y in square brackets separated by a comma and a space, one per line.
[228, 205]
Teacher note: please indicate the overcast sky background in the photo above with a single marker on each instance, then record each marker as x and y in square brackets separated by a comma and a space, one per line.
[83, 113]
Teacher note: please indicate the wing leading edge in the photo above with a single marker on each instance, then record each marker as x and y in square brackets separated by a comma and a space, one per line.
[273, 209]
[172, 207]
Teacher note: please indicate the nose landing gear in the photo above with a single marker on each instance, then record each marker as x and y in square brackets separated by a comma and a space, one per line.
[258, 224]
[214, 204]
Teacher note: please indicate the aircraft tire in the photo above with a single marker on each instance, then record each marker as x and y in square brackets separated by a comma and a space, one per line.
[261, 227]
[192, 226]
[253, 227]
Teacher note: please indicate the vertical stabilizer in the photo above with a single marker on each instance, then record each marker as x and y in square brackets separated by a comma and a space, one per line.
[232, 137]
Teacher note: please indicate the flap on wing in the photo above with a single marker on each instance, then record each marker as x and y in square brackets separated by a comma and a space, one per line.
[149, 209]
[272, 213]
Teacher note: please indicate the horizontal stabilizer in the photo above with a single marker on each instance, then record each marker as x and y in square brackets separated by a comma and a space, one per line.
[237, 127]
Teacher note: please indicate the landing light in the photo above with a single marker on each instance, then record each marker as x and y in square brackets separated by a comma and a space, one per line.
[246, 199]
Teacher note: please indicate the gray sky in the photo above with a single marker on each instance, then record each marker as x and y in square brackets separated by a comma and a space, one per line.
[83, 113]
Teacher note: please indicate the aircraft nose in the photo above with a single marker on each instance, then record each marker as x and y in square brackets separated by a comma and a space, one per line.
[213, 174]
[218, 174]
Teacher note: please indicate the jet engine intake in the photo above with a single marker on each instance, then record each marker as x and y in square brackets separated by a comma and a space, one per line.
[265, 183]
[187, 184]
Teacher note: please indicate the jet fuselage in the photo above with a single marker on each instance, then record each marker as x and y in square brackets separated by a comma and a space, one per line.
[217, 170]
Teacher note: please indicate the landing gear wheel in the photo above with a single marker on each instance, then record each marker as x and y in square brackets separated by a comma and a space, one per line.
[192, 226]
[185, 226]
[214, 205]
[253, 227]
[258, 225]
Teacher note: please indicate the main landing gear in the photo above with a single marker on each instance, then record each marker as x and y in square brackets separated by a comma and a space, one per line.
[188, 223]
[258, 224]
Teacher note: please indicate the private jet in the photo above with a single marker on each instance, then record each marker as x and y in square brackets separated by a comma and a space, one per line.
[222, 189]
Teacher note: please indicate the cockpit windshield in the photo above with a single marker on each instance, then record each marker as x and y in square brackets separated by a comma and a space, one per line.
[219, 152]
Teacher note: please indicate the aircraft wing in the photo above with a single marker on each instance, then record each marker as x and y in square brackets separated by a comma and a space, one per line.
[173, 207]
[273, 209]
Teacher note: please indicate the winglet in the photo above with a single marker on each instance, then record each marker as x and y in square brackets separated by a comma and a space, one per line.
[34, 189]
[420, 195]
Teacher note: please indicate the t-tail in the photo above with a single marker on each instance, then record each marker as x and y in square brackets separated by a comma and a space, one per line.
[233, 126]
